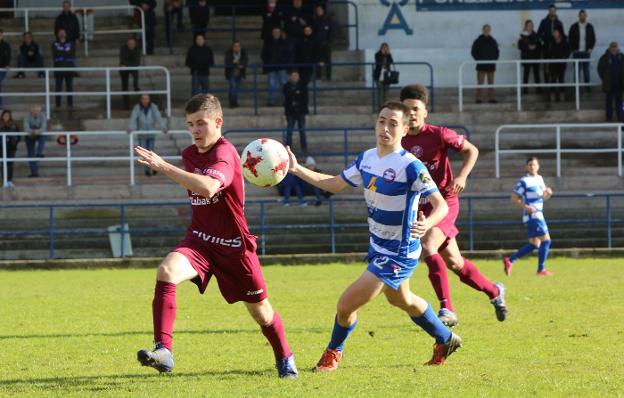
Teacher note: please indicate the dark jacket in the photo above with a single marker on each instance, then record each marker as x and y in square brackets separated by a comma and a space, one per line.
[323, 29]
[200, 16]
[230, 68]
[606, 69]
[292, 17]
[547, 26]
[5, 54]
[574, 37]
[485, 48]
[12, 140]
[64, 55]
[270, 20]
[69, 22]
[556, 50]
[295, 98]
[381, 62]
[128, 57]
[530, 46]
[199, 59]
[307, 51]
[30, 52]
[275, 52]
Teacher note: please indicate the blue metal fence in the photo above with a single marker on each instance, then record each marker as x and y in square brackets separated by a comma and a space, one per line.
[609, 221]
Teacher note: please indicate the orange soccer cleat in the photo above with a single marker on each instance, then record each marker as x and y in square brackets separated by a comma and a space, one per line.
[443, 351]
[329, 361]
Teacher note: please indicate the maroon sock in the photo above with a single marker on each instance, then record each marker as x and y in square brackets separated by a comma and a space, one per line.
[439, 280]
[471, 276]
[164, 312]
[277, 337]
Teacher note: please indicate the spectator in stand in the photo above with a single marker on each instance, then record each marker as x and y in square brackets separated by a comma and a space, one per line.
[485, 48]
[129, 55]
[64, 55]
[275, 52]
[295, 108]
[307, 53]
[199, 13]
[310, 163]
[8, 125]
[611, 72]
[287, 185]
[558, 48]
[582, 41]
[68, 21]
[236, 61]
[547, 27]
[172, 9]
[271, 18]
[199, 59]
[146, 117]
[323, 29]
[296, 16]
[383, 62]
[530, 47]
[29, 56]
[149, 9]
[5, 61]
[35, 124]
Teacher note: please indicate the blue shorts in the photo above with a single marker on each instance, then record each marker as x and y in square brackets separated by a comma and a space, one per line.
[536, 227]
[391, 270]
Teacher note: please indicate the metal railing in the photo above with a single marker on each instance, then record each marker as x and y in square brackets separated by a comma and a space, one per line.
[558, 150]
[69, 158]
[86, 34]
[52, 231]
[519, 85]
[108, 93]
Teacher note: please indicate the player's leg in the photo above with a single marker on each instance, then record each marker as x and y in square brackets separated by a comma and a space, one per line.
[542, 255]
[438, 275]
[521, 252]
[175, 268]
[422, 314]
[272, 328]
[363, 290]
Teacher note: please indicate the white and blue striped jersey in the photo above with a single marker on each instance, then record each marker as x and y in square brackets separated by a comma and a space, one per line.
[392, 185]
[531, 190]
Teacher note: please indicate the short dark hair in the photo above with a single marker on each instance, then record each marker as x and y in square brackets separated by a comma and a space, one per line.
[532, 158]
[582, 11]
[552, 5]
[205, 102]
[397, 106]
[415, 91]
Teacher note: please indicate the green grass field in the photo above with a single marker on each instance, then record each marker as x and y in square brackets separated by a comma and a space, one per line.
[76, 333]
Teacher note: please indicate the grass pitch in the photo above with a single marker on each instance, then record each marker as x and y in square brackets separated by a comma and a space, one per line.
[76, 333]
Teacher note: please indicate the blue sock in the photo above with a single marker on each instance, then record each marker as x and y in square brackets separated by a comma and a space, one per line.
[523, 251]
[542, 255]
[339, 335]
[431, 324]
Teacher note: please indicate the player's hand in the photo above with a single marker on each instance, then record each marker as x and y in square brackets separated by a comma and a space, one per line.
[548, 191]
[530, 209]
[150, 159]
[458, 185]
[420, 227]
[292, 164]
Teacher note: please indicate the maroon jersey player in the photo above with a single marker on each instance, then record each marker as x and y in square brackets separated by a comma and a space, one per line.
[217, 241]
[431, 144]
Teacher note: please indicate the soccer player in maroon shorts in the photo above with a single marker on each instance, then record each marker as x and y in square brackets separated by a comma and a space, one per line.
[217, 241]
[430, 144]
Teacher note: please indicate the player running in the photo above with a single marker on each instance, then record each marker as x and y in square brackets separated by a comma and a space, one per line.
[393, 181]
[529, 195]
[217, 241]
[430, 144]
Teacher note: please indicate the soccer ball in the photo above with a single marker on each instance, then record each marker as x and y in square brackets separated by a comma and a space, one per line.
[265, 162]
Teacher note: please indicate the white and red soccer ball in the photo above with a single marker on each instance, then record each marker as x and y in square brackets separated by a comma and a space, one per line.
[265, 162]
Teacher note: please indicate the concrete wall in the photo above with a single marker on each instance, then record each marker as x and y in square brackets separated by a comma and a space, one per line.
[444, 38]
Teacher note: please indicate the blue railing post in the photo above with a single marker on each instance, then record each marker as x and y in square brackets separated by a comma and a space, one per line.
[52, 237]
[122, 222]
[262, 230]
[608, 199]
[332, 232]
[470, 226]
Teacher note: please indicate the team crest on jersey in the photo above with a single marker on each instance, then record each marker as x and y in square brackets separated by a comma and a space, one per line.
[417, 151]
[389, 175]
[424, 178]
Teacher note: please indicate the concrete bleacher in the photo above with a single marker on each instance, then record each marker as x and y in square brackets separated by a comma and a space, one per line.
[109, 181]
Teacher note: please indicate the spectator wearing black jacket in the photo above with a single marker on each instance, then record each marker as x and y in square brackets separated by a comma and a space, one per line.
[199, 59]
[295, 108]
[383, 63]
[8, 125]
[611, 72]
[271, 18]
[296, 16]
[530, 46]
[546, 29]
[5, 61]
[29, 56]
[485, 48]
[172, 9]
[582, 41]
[307, 53]
[236, 61]
[275, 52]
[68, 21]
[64, 56]
[199, 12]
[149, 9]
[323, 29]
[129, 55]
[558, 48]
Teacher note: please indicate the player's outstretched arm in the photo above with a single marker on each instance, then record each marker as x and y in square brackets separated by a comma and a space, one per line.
[326, 182]
[469, 154]
[202, 185]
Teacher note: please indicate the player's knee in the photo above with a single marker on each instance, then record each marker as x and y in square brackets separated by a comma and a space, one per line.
[345, 313]
[428, 248]
[398, 302]
[455, 263]
[166, 271]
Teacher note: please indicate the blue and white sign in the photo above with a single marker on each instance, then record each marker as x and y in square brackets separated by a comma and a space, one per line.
[506, 5]
[395, 18]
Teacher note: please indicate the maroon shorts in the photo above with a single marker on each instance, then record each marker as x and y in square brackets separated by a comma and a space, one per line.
[447, 225]
[238, 274]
